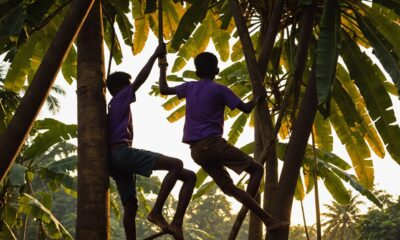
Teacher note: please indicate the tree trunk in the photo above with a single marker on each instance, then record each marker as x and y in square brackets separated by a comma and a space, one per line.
[18, 129]
[299, 139]
[255, 223]
[306, 25]
[271, 32]
[262, 115]
[294, 157]
[93, 178]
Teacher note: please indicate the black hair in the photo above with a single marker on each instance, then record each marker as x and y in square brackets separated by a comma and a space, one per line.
[116, 81]
[206, 65]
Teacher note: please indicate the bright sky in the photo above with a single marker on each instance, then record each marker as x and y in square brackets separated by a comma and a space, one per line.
[153, 131]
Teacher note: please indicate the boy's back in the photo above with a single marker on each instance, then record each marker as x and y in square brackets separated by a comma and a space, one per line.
[205, 105]
[120, 129]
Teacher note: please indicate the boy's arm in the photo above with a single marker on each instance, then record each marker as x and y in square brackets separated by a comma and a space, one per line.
[145, 72]
[246, 107]
[164, 88]
[249, 106]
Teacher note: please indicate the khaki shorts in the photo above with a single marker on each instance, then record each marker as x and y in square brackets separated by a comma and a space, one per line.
[213, 154]
[125, 162]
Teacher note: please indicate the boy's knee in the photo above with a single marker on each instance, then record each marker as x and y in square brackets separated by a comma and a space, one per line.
[177, 165]
[191, 176]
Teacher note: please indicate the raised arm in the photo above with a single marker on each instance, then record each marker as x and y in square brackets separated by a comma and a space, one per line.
[249, 106]
[145, 72]
[164, 88]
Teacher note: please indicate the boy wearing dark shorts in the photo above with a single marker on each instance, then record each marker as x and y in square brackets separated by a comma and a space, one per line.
[204, 119]
[126, 161]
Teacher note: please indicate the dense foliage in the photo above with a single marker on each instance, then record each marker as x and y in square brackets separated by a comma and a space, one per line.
[352, 43]
[382, 224]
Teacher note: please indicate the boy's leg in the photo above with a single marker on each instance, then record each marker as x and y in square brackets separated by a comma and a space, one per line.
[247, 200]
[130, 209]
[189, 180]
[126, 188]
[174, 166]
[214, 154]
[256, 172]
[224, 181]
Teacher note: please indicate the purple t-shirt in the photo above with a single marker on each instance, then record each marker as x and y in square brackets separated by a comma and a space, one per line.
[205, 105]
[120, 128]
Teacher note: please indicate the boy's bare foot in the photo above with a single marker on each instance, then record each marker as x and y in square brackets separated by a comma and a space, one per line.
[158, 220]
[176, 231]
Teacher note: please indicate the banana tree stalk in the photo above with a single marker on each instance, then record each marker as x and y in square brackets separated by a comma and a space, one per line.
[261, 112]
[293, 158]
[269, 146]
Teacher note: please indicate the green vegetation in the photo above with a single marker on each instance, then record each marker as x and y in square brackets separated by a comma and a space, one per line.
[382, 224]
[273, 46]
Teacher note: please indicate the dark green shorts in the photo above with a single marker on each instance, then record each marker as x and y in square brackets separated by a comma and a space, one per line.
[126, 161]
[214, 154]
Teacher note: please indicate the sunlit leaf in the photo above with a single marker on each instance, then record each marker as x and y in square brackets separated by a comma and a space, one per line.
[382, 49]
[141, 34]
[371, 135]
[355, 146]
[375, 95]
[322, 133]
[194, 15]
[327, 54]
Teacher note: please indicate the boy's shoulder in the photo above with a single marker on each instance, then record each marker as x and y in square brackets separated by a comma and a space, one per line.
[125, 95]
[211, 84]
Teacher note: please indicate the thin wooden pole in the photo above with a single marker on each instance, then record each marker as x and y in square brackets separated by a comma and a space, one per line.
[160, 23]
[304, 219]
[318, 212]
[162, 60]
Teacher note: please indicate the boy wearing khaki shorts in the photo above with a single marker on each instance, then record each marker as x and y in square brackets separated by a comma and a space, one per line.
[204, 120]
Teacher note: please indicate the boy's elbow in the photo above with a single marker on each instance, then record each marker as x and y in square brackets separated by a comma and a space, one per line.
[248, 110]
[163, 91]
[245, 107]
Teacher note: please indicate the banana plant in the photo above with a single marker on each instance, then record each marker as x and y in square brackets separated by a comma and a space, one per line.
[359, 93]
[352, 93]
[50, 158]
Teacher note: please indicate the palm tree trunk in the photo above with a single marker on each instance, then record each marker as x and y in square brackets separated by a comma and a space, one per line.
[293, 158]
[93, 178]
[18, 129]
